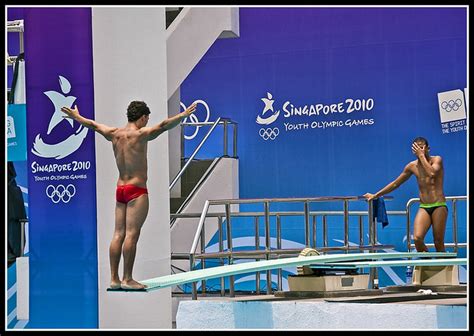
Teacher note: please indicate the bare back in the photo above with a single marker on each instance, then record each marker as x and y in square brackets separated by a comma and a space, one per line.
[130, 150]
[430, 188]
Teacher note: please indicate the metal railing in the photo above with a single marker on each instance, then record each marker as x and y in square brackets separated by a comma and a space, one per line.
[258, 253]
[222, 121]
[219, 121]
[455, 243]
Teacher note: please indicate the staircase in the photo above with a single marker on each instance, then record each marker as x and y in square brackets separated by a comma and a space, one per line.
[193, 173]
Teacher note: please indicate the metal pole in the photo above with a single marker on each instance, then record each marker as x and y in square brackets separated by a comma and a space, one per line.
[22, 42]
[182, 142]
[346, 224]
[229, 247]
[278, 225]
[314, 231]
[455, 227]
[235, 140]
[306, 223]
[190, 159]
[325, 231]
[257, 247]
[203, 265]
[371, 222]
[267, 245]
[408, 228]
[221, 248]
[191, 262]
[361, 231]
[225, 137]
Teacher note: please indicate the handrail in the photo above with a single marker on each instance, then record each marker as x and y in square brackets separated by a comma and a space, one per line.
[194, 153]
[280, 213]
[175, 216]
[453, 199]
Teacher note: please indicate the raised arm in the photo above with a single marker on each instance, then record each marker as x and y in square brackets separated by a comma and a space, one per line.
[153, 132]
[74, 114]
[431, 169]
[405, 175]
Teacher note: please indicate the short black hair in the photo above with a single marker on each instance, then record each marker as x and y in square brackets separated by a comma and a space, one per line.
[421, 139]
[136, 109]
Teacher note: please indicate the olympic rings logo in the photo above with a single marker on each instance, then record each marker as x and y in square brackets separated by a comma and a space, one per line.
[60, 193]
[269, 133]
[451, 105]
[194, 119]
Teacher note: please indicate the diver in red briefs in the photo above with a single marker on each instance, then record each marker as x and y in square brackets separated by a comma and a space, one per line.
[130, 150]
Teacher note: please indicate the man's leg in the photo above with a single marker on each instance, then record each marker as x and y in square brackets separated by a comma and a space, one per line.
[137, 211]
[421, 226]
[115, 250]
[439, 227]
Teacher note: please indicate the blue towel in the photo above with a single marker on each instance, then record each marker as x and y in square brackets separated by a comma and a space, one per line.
[379, 211]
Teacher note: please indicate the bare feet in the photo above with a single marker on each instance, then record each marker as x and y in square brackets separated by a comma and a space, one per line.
[132, 284]
[115, 284]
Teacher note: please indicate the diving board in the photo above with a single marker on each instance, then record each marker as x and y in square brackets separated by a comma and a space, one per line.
[255, 266]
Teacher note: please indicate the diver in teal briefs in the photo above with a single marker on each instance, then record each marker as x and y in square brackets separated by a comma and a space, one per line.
[433, 211]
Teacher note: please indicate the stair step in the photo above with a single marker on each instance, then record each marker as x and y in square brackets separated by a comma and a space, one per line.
[175, 203]
[195, 171]
[190, 178]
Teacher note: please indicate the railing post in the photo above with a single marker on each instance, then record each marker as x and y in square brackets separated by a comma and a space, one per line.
[221, 249]
[325, 231]
[361, 231]
[182, 142]
[267, 245]
[191, 267]
[229, 247]
[314, 231]
[346, 225]
[373, 274]
[225, 137]
[235, 140]
[455, 226]
[408, 227]
[203, 260]
[257, 247]
[306, 224]
[278, 227]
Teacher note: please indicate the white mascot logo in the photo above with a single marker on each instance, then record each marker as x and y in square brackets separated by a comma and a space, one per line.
[74, 141]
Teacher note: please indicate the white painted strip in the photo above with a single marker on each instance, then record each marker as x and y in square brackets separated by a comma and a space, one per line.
[21, 324]
[23, 189]
[11, 291]
[11, 316]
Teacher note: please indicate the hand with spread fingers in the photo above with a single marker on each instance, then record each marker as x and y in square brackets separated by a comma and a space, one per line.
[71, 113]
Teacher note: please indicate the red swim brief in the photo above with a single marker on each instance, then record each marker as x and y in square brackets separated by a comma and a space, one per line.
[127, 192]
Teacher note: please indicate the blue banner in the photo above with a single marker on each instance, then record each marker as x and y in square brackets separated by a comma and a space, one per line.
[328, 102]
[16, 132]
[61, 169]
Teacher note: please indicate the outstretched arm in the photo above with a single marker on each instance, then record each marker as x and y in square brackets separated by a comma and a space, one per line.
[105, 130]
[405, 175]
[154, 131]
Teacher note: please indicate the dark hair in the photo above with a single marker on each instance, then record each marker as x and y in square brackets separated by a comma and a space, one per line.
[421, 139]
[136, 109]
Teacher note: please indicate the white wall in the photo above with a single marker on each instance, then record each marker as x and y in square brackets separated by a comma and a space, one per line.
[174, 144]
[129, 51]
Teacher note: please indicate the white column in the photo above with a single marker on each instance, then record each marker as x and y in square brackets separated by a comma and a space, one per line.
[129, 51]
